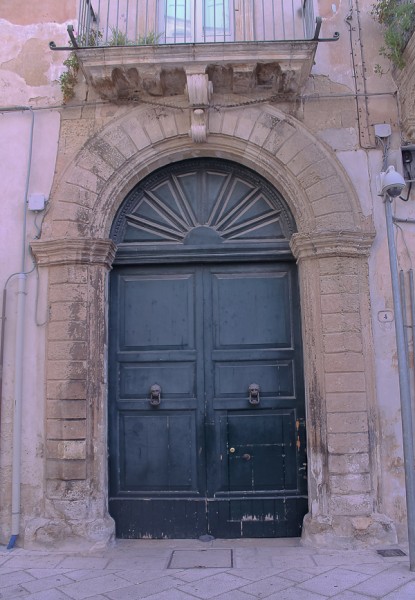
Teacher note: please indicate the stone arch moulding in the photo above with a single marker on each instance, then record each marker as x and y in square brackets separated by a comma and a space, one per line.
[331, 246]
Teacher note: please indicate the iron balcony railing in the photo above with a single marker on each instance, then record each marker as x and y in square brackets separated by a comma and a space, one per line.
[142, 22]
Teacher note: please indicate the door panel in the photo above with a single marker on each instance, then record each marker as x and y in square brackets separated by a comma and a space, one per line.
[206, 457]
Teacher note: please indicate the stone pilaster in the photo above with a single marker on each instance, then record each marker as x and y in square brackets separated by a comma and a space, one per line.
[339, 382]
[75, 392]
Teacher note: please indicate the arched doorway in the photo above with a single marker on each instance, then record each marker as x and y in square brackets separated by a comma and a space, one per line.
[206, 395]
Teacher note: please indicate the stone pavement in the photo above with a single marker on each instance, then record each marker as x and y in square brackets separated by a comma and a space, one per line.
[275, 569]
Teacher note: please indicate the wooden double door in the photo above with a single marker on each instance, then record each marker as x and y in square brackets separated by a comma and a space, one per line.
[206, 406]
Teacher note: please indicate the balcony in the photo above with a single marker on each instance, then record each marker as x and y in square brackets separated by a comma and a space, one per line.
[132, 50]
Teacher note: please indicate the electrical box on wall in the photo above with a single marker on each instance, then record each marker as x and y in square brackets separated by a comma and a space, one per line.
[408, 162]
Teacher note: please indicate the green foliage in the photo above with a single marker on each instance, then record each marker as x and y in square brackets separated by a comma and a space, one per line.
[119, 38]
[398, 19]
[69, 78]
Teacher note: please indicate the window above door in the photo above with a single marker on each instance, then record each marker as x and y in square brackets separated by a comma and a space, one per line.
[203, 208]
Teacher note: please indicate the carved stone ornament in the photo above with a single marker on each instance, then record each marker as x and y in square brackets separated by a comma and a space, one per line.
[199, 90]
[84, 251]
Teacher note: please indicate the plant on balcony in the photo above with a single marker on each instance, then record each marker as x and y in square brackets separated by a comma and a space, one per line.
[398, 20]
[119, 38]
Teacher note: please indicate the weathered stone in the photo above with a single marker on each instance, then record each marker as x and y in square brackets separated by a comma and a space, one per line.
[349, 463]
[65, 429]
[350, 484]
[345, 382]
[65, 409]
[67, 389]
[355, 422]
[347, 443]
[66, 470]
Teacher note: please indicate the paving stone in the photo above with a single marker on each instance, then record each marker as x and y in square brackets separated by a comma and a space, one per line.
[333, 582]
[369, 569]
[234, 595]
[172, 595]
[266, 587]
[297, 575]
[406, 592]
[349, 558]
[196, 574]
[81, 574]
[384, 583]
[29, 561]
[145, 589]
[83, 562]
[41, 573]
[46, 583]
[348, 595]
[15, 578]
[53, 594]
[258, 573]
[294, 593]
[12, 591]
[90, 587]
[213, 586]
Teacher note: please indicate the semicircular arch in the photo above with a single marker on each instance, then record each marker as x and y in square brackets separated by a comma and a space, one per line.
[277, 146]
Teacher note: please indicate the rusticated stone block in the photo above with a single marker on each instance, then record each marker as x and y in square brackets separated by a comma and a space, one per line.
[66, 390]
[338, 266]
[347, 443]
[68, 311]
[68, 274]
[348, 284]
[345, 401]
[345, 382]
[65, 429]
[66, 409]
[66, 369]
[340, 303]
[351, 505]
[353, 422]
[66, 292]
[349, 463]
[57, 350]
[67, 490]
[67, 449]
[334, 219]
[350, 484]
[65, 469]
[342, 342]
[338, 323]
[344, 361]
[68, 330]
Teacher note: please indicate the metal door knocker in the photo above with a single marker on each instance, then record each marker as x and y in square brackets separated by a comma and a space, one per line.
[155, 395]
[254, 393]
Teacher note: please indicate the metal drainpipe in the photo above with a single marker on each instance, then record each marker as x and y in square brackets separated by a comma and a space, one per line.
[18, 366]
[404, 386]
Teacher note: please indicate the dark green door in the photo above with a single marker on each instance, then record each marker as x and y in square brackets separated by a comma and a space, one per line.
[220, 449]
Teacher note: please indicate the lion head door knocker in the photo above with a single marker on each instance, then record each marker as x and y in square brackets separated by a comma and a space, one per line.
[254, 393]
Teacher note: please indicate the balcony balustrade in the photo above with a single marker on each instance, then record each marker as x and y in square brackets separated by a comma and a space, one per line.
[138, 22]
[236, 50]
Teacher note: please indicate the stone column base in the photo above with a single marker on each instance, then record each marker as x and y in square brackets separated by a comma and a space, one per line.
[69, 535]
[343, 532]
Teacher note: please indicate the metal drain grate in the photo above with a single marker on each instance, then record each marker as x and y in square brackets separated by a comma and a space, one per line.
[201, 559]
[391, 552]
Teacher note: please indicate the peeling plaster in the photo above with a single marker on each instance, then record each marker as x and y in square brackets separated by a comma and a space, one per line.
[30, 63]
